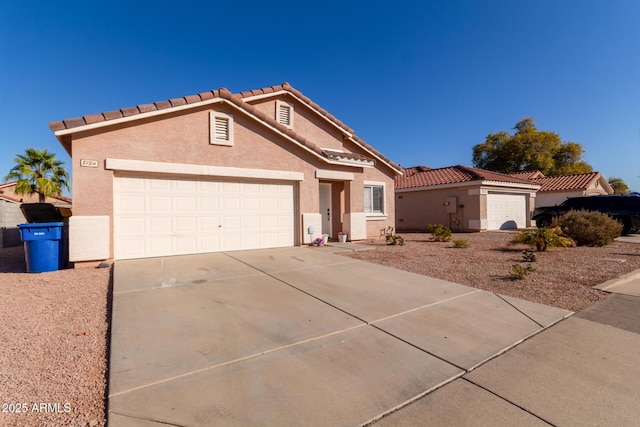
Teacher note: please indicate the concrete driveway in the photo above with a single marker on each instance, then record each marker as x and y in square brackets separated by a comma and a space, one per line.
[295, 336]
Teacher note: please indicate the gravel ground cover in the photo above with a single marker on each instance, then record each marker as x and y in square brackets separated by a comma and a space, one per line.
[53, 335]
[561, 278]
[54, 326]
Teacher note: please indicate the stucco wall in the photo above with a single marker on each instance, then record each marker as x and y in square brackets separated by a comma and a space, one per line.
[183, 138]
[306, 122]
[416, 209]
[555, 198]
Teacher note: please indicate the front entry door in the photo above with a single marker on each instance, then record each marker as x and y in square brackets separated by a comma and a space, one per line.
[325, 207]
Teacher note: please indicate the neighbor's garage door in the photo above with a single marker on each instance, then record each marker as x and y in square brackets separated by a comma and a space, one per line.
[506, 211]
[171, 216]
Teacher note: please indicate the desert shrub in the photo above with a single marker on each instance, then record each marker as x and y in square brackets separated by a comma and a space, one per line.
[529, 256]
[590, 228]
[519, 272]
[460, 244]
[393, 239]
[439, 232]
[542, 238]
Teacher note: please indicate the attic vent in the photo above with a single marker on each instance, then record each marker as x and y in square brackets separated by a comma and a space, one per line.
[221, 128]
[284, 113]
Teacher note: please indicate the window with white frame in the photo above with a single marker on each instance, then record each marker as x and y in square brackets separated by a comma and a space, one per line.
[374, 198]
[221, 128]
[284, 113]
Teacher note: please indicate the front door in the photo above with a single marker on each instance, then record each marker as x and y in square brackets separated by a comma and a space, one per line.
[325, 207]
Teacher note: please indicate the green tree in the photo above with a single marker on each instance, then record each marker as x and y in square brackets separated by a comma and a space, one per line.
[529, 149]
[618, 185]
[38, 172]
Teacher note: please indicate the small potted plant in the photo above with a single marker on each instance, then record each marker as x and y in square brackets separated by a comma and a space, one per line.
[342, 237]
[325, 238]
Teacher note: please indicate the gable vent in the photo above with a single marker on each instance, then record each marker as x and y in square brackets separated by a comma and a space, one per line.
[284, 113]
[222, 128]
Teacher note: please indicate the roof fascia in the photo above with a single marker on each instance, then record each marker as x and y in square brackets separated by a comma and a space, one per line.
[140, 116]
[59, 134]
[476, 183]
[347, 134]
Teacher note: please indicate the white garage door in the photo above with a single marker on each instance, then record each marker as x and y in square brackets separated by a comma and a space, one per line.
[506, 211]
[173, 216]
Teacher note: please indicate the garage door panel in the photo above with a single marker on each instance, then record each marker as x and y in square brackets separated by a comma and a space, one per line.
[159, 204]
[186, 203]
[157, 225]
[186, 245]
[163, 216]
[157, 246]
[210, 244]
[506, 211]
[251, 204]
[157, 185]
[186, 224]
[133, 203]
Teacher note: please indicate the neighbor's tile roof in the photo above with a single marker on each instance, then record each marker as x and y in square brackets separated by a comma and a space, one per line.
[237, 100]
[580, 181]
[422, 176]
[16, 200]
[528, 174]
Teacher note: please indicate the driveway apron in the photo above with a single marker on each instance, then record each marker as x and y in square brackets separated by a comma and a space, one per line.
[294, 336]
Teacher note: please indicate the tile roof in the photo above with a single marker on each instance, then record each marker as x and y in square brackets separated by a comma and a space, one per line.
[16, 200]
[422, 176]
[580, 181]
[238, 101]
[528, 174]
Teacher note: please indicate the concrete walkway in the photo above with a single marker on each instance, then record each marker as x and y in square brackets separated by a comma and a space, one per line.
[582, 371]
[302, 336]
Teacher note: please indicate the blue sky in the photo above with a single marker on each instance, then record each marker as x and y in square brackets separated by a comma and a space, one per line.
[422, 81]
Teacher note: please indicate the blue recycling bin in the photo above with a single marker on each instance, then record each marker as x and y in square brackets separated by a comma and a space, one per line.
[45, 246]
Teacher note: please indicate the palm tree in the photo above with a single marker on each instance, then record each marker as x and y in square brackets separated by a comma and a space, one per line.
[38, 172]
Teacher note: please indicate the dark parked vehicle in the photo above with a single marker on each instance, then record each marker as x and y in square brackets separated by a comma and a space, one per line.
[624, 208]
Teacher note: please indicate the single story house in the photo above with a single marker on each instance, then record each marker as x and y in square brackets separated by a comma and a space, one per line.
[11, 215]
[463, 199]
[220, 171]
[556, 189]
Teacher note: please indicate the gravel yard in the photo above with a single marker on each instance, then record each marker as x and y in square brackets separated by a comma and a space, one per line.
[53, 330]
[54, 326]
[562, 277]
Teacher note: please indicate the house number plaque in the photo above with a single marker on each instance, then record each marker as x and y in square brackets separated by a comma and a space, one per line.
[89, 163]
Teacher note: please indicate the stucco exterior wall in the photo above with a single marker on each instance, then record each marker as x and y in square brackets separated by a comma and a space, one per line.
[183, 137]
[548, 198]
[305, 122]
[416, 209]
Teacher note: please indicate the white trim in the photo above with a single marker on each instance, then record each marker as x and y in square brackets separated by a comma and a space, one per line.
[384, 198]
[493, 184]
[283, 104]
[349, 162]
[349, 135]
[188, 169]
[214, 116]
[139, 116]
[334, 175]
[265, 95]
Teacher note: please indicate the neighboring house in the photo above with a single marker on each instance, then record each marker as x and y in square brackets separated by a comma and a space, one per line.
[11, 215]
[556, 189]
[218, 172]
[463, 199]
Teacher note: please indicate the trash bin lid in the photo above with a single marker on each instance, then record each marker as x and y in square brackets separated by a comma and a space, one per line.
[40, 212]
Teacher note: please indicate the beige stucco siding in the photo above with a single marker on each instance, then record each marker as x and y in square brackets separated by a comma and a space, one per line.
[305, 122]
[416, 209]
[183, 137]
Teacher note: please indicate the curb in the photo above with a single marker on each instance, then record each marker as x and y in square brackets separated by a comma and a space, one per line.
[625, 278]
